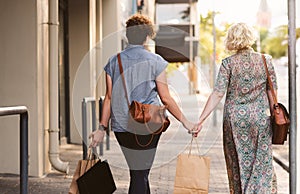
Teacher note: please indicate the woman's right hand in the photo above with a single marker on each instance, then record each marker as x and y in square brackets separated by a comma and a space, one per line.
[97, 137]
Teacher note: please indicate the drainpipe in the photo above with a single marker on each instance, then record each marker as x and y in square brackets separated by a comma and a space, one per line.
[53, 62]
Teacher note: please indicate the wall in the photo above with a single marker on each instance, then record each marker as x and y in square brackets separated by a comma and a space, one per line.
[112, 26]
[21, 83]
[83, 52]
[78, 48]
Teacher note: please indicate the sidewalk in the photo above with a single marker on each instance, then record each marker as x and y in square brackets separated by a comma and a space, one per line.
[162, 175]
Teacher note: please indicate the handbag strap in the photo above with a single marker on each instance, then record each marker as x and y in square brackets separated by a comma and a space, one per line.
[127, 98]
[269, 82]
[123, 78]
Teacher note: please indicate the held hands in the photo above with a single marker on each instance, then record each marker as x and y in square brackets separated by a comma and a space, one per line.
[97, 137]
[197, 129]
[191, 127]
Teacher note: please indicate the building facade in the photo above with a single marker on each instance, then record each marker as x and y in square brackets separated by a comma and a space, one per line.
[51, 56]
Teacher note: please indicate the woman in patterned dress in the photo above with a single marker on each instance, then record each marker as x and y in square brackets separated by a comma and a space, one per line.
[247, 132]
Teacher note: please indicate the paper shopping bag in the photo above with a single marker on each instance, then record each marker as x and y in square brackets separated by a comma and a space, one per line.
[98, 179]
[81, 168]
[192, 174]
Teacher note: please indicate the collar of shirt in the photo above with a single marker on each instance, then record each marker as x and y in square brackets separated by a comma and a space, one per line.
[134, 46]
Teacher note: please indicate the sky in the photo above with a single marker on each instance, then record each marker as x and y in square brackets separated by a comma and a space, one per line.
[246, 10]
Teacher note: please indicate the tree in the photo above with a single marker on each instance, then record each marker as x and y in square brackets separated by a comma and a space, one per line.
[206, 39]
[276, 43]
[297, 33]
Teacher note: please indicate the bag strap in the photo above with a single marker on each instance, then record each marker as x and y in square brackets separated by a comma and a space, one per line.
[123, 78]
[191, 143]
[143, 145]
[269, 82]
[127, 98]
[91, 157]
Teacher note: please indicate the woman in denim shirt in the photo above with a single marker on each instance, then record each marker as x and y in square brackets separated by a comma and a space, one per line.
[146, 82]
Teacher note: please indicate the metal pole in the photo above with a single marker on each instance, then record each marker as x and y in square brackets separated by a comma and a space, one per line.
[24, 152]
[100, 115]
[107, 139]
[292, 95]
[134, 7]
[84, 133]
[214, 61]
[94, 124]
[22, 110]
[192, 85]
[108, 127]
[93, 103]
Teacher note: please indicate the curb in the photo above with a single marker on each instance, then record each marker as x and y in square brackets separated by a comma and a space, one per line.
[281, 161]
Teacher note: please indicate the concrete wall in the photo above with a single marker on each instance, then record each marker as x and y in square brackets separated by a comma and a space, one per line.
[112, 30]
[21, 83]
[110, 42]
[84, 52]
[24, 71]
[78, 48]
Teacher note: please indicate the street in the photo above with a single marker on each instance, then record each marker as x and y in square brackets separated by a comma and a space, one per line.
[172, 142]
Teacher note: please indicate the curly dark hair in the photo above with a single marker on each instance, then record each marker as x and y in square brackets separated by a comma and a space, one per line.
[138, 27]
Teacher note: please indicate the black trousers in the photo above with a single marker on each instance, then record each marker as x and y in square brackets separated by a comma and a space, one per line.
[138, 158]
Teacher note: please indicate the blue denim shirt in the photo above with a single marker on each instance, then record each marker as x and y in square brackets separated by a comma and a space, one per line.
[141, 68]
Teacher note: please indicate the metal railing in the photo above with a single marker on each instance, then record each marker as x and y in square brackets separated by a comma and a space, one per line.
[92, 101]
[23, 112]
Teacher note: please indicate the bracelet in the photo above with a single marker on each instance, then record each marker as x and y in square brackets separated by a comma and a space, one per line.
[102, 128]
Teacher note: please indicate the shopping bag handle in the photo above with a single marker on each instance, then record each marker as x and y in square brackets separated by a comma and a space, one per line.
[92, 154]
[190, 150]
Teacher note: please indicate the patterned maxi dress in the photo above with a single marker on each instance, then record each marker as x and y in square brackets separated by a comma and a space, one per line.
[246, 123]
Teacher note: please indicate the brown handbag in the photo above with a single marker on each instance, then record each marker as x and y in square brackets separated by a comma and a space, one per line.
[280, 119]
[144, 119]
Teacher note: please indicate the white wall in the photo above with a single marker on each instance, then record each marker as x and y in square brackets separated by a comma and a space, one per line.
[111, 27]
[78, 48]
[24, 72]
[21, 83]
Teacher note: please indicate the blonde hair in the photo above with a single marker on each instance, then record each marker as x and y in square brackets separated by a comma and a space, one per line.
[239, 36]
